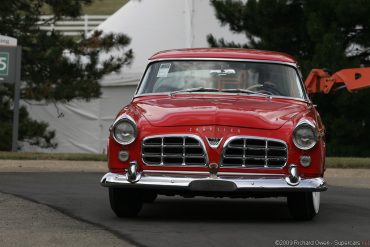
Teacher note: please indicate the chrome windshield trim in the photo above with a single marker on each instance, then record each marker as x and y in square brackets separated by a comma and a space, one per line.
[294, 65]
[223, 93]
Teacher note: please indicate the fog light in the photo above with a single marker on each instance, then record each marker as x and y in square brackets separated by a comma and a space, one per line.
[123, 155]
[305, 161]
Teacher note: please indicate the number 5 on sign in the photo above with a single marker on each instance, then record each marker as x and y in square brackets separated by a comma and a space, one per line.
[4, 63]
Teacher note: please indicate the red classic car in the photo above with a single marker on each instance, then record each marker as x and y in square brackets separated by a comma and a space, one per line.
[219, 123]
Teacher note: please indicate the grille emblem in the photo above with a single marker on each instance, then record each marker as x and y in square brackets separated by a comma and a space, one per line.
[214, 142]
[213, 170]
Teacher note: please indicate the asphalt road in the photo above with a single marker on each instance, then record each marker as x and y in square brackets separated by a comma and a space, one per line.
[175, 221]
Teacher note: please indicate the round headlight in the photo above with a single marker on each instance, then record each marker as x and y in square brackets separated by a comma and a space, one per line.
[124, 131]
[305, 136]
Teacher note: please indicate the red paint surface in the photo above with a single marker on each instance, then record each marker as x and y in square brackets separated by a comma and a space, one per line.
[222, 110]
[222, 116]
[225, 53]
[276, 123]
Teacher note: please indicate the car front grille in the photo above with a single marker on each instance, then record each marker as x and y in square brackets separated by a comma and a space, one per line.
[174, 150]
[254, 152]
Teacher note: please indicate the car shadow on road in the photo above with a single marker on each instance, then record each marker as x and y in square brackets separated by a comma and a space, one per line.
[210, 209]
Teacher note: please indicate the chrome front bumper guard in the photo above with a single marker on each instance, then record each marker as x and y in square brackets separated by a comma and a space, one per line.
[204, 181]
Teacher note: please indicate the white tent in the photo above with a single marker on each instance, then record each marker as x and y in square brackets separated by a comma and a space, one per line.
[152, 25]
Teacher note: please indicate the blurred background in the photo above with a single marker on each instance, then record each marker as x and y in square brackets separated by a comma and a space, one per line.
[82, 60]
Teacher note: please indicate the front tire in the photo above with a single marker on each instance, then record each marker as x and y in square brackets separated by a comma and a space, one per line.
[304, 205]
[125, 203]
[149, 197]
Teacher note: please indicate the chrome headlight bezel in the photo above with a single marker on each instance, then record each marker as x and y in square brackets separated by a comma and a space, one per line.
[308, 125]
[124, 120]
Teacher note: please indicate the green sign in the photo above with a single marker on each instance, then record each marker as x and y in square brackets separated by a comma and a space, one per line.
[10, 61]
[4, 63]
[10, 72]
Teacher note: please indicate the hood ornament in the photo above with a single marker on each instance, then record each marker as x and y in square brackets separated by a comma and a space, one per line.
[214, 142]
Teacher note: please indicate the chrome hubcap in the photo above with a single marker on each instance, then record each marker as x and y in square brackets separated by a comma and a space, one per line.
[316, 201]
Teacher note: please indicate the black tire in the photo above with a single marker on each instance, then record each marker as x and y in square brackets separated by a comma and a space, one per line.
[125, 203]
[149, 197]
[302, 206]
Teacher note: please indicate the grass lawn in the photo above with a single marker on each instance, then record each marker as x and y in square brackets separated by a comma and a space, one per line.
[347, 162]
[51, 156]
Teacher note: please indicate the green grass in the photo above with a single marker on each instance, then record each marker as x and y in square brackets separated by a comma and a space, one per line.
[98, 7]
[51, 156]
[347, 162]
[331, 162]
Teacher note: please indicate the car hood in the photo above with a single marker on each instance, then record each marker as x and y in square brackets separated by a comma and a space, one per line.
[244, 111]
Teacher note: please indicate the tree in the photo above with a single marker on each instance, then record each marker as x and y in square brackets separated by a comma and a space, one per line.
[320, 34]
[55, 68]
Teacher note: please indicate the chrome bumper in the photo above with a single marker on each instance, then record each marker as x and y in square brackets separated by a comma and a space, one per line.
[203, 181]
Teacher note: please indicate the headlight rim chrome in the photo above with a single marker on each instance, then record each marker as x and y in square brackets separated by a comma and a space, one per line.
[129, 120]
[309, 124]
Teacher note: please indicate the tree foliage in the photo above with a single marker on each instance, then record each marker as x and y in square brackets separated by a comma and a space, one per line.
[320, 34]
[31, 131]
[56, 68]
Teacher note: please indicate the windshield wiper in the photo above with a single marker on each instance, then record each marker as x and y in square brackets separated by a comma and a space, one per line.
[238, 90]
[195, 89]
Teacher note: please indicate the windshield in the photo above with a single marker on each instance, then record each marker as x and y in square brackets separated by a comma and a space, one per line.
[222, 76]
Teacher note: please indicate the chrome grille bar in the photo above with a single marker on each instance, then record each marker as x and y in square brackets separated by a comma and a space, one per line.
[254, 152]
[174, 150]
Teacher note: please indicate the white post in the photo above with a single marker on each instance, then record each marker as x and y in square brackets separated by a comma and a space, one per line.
[189, 6]
[86, 25]
[17, 86]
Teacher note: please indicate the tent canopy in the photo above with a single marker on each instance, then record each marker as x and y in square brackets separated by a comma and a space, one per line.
[155, 25]
[152, 25]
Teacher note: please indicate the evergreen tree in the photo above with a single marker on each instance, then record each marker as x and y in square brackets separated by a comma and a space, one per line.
[332, 34]
[55, 68]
